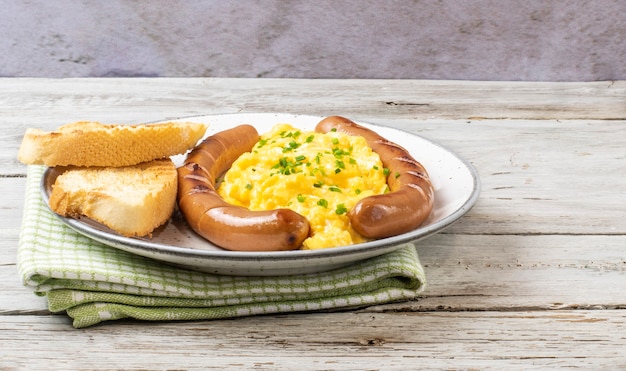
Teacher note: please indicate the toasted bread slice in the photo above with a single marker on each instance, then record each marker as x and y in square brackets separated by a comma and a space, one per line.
[87, 143]
[131, 200]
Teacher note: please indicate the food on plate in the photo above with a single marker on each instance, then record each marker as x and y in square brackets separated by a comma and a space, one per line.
[286, 189]
[89, 143]
[411, 195]
[319, 176]
[131, 200]
[119, 175]
[338, 185]
[231, 226]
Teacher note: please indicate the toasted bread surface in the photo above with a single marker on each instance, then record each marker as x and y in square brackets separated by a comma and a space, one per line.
[88, 143]
[131, 200]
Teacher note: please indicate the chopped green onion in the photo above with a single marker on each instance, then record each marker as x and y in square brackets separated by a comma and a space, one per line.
[341, 209]
[339, 152]
[291, 146]
[287, 167]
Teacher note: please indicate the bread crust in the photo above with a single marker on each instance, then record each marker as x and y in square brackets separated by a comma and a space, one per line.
[88, 143]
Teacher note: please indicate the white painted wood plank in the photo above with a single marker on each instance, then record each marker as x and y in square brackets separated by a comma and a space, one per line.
[136, 100]
[11, 203]
[329, 341]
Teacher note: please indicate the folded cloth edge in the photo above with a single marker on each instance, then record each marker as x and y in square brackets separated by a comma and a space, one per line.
[89, 314]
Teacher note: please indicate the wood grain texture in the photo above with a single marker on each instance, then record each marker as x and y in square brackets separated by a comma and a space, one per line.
[533, 277]
[578, 339]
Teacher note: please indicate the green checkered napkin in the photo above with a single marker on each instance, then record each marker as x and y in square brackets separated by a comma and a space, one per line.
[93, 282]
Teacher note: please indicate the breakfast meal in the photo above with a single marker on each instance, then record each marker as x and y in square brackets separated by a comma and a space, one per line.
[119, 175]
[339, 184]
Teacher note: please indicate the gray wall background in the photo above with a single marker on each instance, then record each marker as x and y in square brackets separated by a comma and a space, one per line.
[539, 40]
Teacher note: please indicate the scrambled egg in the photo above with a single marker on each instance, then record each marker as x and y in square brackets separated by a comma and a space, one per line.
[320, 176]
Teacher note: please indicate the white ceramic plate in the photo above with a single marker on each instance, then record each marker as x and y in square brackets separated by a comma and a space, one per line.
[456, 185]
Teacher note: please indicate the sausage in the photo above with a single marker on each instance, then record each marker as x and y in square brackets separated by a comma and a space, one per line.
[411, 195]
[229, 226]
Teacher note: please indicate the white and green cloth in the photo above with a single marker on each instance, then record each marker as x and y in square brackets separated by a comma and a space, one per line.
[93, 282]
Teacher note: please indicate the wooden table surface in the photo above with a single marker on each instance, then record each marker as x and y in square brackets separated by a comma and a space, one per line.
[534, 276]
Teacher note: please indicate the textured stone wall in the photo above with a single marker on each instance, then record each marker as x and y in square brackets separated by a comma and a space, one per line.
[559, 40]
